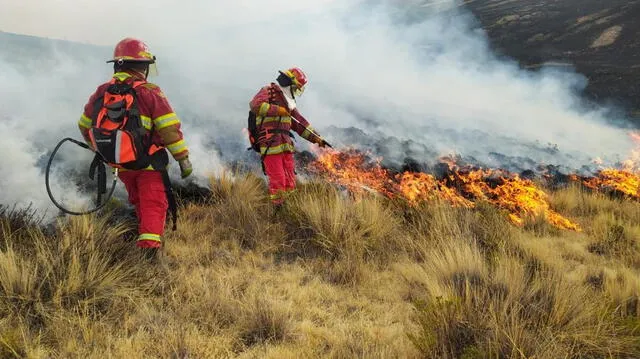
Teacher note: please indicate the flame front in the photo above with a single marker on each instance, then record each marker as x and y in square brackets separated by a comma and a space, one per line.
[462, 188]
[350, 170]
[418, 187]
[624, 180]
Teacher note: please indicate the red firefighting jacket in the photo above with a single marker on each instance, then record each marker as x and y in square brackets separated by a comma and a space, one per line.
[155, 112]
[271, 110]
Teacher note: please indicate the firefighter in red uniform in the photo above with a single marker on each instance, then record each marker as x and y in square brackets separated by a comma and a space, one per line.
[274, 107]
[146, 188]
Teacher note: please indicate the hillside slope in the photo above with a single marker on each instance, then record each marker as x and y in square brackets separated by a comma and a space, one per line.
[600, 38]
[330, 277]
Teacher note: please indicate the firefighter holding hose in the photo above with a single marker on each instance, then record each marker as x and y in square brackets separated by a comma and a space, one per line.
[273, 115]
[130, 122]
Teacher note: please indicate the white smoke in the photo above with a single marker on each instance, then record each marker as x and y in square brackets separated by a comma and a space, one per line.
[415, 70]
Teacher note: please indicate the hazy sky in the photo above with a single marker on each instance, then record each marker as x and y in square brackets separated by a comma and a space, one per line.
[154, 21]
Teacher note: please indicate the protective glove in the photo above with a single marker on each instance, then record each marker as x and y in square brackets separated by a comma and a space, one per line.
[282, 111]
[185, 167]
[322, 143]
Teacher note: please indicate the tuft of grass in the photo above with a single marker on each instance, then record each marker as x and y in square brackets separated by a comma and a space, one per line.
[241, 208]
[505, 312]
[263, 321]
[612, 237]
[16, 341]
[576, 201]
[340, 227]
[433, 223]
[540, 226]
[84, 267]
[14, 222]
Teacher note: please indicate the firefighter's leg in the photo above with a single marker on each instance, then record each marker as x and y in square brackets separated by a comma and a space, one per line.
[129, 179]
[274, 168]
[290, 173]
[153, 209]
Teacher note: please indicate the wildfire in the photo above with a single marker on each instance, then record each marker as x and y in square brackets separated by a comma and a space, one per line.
[465, 186]
[462, 187]
[625, 180]
[522, 198]
[622, 181]
[351, 170]
[418, 187]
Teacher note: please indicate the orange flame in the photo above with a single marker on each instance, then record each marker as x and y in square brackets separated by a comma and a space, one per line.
[350, 170]
[625, 180]
[622, 181]
[464, 187]
[420, 187]
[520, 197]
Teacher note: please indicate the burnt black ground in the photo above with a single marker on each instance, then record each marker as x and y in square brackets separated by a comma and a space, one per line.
[564, 31]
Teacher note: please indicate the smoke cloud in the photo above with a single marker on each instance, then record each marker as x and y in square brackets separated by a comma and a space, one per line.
[418, 71]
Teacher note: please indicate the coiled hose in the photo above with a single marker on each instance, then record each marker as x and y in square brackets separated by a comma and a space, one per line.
[97, 164]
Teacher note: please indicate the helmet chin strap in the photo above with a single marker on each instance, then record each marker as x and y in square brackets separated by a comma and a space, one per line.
[287, 91]
[144, 73]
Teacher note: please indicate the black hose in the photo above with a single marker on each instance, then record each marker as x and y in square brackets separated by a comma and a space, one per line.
[46, 179]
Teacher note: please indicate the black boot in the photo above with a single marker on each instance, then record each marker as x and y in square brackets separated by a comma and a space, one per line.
[278, 207]
[150, 254]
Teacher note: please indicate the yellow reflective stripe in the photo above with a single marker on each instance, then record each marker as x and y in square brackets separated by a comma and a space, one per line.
[260, 120]
[264, 108]
[307, 133]
[278, 194]
[166, 120]
[146, 121]
[177, 147]
[149, 237]
[141, 53]
[85, 121]
[274, 150]
[121, 76]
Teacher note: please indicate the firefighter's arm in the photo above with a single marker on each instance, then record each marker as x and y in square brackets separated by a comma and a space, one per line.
[84, 123]
[304, 129]
[168, 128]
[261, 107]
[167, 125]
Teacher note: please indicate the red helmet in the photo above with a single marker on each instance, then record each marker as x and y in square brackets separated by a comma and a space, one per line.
[132, 50]
[298, 79]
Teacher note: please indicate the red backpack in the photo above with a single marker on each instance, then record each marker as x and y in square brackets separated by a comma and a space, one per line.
[117, 133]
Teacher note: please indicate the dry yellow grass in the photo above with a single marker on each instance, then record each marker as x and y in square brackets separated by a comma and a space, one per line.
[331, 276]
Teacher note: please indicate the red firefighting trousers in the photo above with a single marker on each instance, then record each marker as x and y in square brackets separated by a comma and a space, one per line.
[147, 193]
[280, 172]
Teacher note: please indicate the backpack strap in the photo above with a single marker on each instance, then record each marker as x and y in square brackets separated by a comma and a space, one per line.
[97, 105]
[278, 130]
[264, 170]
[98, 165]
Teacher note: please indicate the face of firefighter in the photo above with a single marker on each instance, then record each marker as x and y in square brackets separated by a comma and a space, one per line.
[297, 92]
[153, 70]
